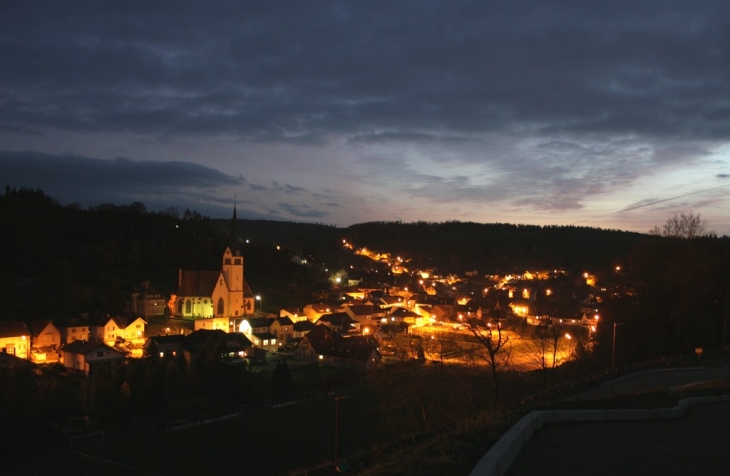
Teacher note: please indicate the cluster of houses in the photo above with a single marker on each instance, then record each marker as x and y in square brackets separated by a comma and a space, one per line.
[78, 344]
[221, 307]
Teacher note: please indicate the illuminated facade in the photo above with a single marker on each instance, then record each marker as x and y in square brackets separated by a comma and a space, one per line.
[15, 339]
[214, 294]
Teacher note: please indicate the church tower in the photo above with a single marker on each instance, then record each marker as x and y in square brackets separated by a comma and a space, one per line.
[233, 273]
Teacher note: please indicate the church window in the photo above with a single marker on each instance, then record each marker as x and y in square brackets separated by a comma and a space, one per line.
[188, 306]
[179, 306]
[237, 261]
[227, 261]
[221, 306]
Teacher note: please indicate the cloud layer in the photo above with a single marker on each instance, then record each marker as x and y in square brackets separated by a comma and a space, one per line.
[540, 112]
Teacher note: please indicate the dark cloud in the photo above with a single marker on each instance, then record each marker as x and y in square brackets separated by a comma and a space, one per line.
[534, 105]
[72, 178]
[293, 72]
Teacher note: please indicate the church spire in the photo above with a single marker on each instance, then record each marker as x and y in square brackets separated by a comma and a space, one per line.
[234, 232]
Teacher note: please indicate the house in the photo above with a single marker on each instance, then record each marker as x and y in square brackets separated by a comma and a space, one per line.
[258, 331]
[119, 329]
[365, 315]
[283, 330]
[147, 301]
[252, 325]
[222, 323]
[86, 357]
[327, 347]
[232, 345]
[265, 340]
[314, 311]
[295, 314]
[391, 301]
[467, 312]
[443, 312]
[75, 329]
[401, 314]
[164, 346]
[224, 293]
[522, 308]
[15, 339]
[301, 328]
[299, 260]
[339, 322]
[45, 339]
[8, 361]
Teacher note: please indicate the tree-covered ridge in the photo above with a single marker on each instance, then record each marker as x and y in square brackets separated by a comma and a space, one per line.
[457, 246]
[61, 261]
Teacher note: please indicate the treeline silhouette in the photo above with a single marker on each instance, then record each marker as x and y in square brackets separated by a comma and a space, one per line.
[453, 247]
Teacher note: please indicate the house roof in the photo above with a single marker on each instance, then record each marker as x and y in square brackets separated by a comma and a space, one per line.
[327, 342]
[337, 318]
[197, 339]
[13, 329]
[122, 322]
[284, 321]
[256, 322]
[302, 326]
[11, 361]
[403, 312]
[364, 310]
[37, 327]
[84, 347]
[320, 308]
[264, 335]
[198, 283]
[167, 340]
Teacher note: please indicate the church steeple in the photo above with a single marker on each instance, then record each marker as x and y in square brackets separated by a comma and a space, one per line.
[234, 233]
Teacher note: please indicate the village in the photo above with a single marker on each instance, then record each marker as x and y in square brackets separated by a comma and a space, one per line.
[358, 326]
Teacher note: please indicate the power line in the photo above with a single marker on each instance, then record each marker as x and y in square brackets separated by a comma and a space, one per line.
[651, 203]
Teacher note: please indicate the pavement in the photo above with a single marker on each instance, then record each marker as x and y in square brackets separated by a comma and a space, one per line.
[695, 444]
[628, 442]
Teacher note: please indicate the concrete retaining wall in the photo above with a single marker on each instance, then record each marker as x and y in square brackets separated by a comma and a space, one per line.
[499, 458]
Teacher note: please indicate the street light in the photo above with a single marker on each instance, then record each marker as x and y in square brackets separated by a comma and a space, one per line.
[337, 401]
[261, 303]
[570, 347]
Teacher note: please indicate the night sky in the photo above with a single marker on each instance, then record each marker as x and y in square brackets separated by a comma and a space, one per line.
[612, 114]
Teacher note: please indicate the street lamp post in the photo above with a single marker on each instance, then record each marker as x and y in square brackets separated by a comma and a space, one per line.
[613, 352]
[261, 303]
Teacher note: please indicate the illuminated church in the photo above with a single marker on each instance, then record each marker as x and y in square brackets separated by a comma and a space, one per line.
[224, 293]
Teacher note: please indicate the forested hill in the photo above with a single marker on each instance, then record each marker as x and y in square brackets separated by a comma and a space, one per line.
[451, 246]
[66, 260]
[459, 246]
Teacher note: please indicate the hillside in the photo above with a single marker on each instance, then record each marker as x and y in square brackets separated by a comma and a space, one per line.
[65, 260]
